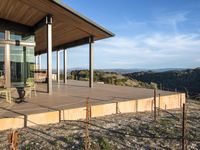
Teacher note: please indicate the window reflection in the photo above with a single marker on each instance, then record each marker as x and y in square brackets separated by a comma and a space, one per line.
[17, 64]
[2, 35]
[30, 62]
[22, 64]
[18, 37]
[22, 59]
[2, 69]
[14, 36]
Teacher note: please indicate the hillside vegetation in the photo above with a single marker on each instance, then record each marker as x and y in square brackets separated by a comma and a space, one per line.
[108, 78]
[180, 80]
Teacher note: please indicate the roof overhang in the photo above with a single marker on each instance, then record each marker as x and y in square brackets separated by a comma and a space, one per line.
[69, 27]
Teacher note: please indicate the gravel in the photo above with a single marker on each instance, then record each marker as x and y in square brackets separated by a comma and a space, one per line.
[121, 131]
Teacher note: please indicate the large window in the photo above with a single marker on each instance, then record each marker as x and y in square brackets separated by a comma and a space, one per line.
[2, 35]
[2, 69]
[30, 62]
[1, 61]
[30, 38]
[22, 59]
[17, 64]
[22, 64]
[14, 36]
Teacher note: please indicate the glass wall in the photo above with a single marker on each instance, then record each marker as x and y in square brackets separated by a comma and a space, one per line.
[2, 67]
[2, 80]
[2, 35]
[30, 62]
[14, 36]
[17, 64]
[22, 64]
[22, 59]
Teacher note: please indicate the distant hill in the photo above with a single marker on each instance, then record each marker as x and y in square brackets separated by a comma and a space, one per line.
[108, 78]
[181, 80]
[123, 71]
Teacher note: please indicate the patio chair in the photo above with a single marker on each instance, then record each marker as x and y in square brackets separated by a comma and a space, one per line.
[7, 93]
[2, 81]
[31, 86]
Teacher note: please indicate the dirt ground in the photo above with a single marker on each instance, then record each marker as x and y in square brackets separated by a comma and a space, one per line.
[121, 131]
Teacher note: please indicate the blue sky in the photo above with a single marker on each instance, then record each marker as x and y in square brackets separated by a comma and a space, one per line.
[149, 34]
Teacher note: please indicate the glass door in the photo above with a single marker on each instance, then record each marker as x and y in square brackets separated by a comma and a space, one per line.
[29, 62]
[17, 65]
[22, 64]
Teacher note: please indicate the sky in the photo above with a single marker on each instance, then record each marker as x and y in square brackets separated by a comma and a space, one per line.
[149, 34]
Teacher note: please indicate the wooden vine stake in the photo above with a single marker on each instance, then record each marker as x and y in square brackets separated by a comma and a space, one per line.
[13, 140]
[154, 101]
[87, 122]
[184, 120]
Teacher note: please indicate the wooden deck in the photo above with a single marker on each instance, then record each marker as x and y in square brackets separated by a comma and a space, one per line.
[73, 95]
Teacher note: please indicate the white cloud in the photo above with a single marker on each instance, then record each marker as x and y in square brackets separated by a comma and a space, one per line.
[154, 51]
[144, 51]
[172, 19]
[158, 44]
[179, 42]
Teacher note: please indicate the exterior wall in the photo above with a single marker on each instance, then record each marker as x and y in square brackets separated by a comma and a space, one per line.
[73, 114]
[144, 105]
[43, 118]
[164, 102]
[127, 106]
[12, 123]
[103, 110]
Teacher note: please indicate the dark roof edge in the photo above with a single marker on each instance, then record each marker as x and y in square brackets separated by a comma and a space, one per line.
[67, 8]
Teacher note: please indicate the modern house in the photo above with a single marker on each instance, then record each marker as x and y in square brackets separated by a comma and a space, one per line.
[29, 28]
[34, 27]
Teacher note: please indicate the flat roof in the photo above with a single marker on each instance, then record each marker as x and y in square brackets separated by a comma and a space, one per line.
[70, 28]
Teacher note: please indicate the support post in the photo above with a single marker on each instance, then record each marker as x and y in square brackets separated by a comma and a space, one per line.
[117, 107]
[159, 104]
[184, 147]
[155, 104]
[7, 61]
[49, 53]
[91, 53]
[65, 65]
[58, 66]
